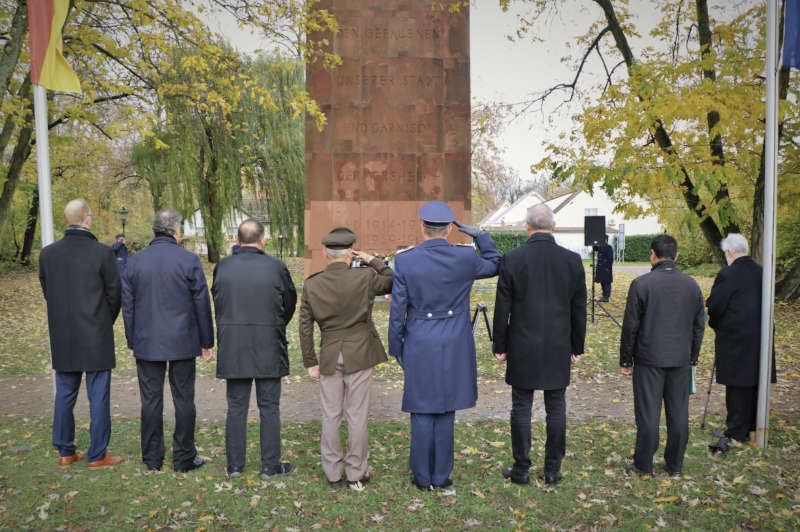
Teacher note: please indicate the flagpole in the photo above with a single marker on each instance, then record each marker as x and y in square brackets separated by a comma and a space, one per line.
[770, 201]
[43, 169]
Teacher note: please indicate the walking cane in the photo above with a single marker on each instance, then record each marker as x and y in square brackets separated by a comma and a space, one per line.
[708, 395]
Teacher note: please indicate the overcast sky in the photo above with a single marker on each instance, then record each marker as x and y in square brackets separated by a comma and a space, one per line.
[509, 72]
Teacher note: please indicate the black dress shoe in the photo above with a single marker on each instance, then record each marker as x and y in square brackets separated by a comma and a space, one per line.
[335, 484]
[421, 487]
[196, 464]
[551, 479]
[630, 467]
[515, 477]
[722, 446]
[284, 468]
[673, 474]
[447, 483]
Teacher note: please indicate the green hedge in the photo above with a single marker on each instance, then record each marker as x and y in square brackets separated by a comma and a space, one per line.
[508, 240]
[637, 248]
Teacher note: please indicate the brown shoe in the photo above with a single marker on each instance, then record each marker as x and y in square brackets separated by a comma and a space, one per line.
[67, 460]
[107, 460]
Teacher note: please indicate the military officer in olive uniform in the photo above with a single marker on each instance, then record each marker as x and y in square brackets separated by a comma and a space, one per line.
[431, 336]
[340, 300]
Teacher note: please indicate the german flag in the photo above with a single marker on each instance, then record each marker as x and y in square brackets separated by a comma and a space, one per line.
[48, 66]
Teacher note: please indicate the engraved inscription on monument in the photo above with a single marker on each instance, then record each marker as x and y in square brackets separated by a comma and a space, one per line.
[398, 130]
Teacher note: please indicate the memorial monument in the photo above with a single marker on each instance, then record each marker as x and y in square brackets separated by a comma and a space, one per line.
[398, 132]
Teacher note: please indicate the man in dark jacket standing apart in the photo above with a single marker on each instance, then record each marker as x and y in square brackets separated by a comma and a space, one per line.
[539, 330]
[661, 336]
[254, 300]
[431, 336]
[734, 312]
[81, 285]
[340, 300]
[603, 273]
[167, 315]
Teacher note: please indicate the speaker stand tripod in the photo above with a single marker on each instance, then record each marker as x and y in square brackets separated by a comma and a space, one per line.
[481, 308]
[594, 299]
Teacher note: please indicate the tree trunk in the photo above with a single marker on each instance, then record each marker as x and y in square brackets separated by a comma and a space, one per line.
[21, 152]
[214, 222]
[10, 57]
[708, 226]
[30, 228]
[788, 286]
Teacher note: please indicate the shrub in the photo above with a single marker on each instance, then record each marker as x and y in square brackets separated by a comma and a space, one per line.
[637, 248]
[507, 240]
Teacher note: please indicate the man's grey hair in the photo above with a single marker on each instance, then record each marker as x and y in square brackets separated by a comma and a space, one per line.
[167, 221]
[540, 217]
[336, 253]
[735, 243]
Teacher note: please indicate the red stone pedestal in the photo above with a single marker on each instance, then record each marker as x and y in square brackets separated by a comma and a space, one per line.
[398, 130]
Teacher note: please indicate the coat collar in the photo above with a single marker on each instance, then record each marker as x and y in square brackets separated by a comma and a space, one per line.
[336, 266]
[163, 239]
[742, 260]
[80, 232]
[664, 265]
[248, 249]
[541, 237]
[433, 242]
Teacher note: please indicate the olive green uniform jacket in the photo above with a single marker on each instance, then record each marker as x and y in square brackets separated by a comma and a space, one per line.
[340, 300]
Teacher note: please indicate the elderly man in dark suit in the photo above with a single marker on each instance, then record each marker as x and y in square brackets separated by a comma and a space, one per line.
[81, 285]
[734, 312]
[661, 336]
[254, 300]
[168, 324]
[539, 330]
[340, 300]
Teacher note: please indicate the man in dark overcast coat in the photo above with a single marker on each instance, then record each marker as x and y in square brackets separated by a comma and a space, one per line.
[734, 312]
[254, 300]
[539, 330]
[82, 288]
[168, 323]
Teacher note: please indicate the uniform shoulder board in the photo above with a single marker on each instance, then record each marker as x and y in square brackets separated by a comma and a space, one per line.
[399, 251]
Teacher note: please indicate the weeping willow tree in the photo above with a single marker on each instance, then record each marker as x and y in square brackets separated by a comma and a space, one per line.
[194, 158]
[277, 151]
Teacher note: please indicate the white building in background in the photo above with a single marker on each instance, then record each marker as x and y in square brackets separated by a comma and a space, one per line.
[569, 210]
[194, 227]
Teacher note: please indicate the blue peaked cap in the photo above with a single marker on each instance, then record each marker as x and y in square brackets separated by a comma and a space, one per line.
[436, 213]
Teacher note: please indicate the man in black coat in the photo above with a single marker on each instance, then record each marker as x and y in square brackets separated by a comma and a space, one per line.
[661, 336]
[603, 271]
[81, 285]
[254, 299]
[734, 312]
[539, 330]
[167, 315]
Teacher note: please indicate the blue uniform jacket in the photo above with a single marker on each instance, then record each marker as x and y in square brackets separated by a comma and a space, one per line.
[429, 322]
[165, 303]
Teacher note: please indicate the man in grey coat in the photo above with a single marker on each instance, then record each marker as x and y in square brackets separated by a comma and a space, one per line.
[661, 336]
[254, 300]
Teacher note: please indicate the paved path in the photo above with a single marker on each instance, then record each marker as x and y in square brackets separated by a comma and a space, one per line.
[607, 397]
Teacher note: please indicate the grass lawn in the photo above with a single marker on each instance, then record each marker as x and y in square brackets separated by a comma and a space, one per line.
[748, 489]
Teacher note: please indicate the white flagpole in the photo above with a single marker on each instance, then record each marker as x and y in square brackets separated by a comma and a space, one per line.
[770, 201]
[43, 168]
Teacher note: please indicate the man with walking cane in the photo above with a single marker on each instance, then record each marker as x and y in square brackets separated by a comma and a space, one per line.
[734, 311]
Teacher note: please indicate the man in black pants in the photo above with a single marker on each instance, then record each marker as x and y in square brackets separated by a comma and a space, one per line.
[603, 271]
[539, 329]
[254, 299]
[167, 315]
[661, 336]
[734, 312]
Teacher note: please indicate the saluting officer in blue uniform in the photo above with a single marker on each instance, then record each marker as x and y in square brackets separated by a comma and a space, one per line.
[431, 336]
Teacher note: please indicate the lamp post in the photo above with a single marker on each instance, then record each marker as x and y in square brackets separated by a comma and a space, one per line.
[123, 214]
